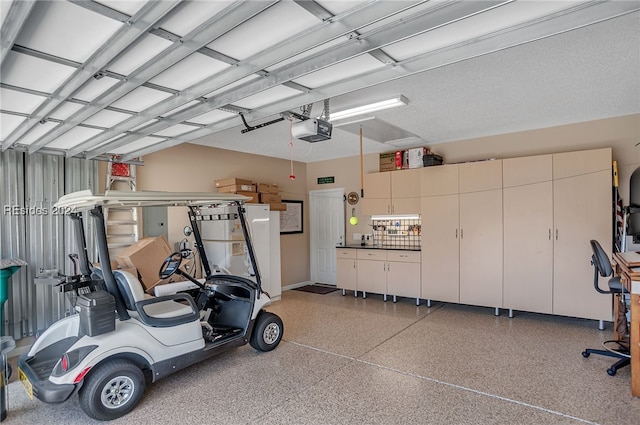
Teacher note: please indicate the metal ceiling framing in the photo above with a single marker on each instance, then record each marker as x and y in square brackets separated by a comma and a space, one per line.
[388, 34]
[315, 36]
[283, 73]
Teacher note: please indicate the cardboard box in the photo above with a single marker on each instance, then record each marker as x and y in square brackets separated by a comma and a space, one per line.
[146, 256]
[235, 188]
[278, 206]
[415, 157]
[270, 198]
[232, 182]
[268, 188]
[253, 195]
[387, 161]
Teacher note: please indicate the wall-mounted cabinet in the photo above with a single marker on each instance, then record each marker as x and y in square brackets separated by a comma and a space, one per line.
[393, 192]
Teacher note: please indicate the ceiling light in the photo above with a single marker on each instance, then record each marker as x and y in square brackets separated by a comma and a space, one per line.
[372, 107]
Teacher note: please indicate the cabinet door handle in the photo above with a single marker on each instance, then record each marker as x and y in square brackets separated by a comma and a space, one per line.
[556, 234]
[549, 233]
[456, 233]
[461, 233]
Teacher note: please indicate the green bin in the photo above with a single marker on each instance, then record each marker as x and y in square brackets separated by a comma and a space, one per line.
[7, 342]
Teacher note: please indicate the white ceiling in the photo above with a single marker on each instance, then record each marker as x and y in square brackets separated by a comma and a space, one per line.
[94, 78]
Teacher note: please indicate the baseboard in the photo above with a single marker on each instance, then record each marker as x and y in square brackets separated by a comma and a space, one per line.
[295, 285]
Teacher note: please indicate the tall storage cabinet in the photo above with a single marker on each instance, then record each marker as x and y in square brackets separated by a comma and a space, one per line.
[582, 210]
[480, 187]
[440, 234]
[528, 231]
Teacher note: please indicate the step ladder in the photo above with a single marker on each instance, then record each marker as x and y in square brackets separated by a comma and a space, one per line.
[121, 222]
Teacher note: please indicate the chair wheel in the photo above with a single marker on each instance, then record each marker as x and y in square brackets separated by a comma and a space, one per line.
[611, 372]
[586, 354]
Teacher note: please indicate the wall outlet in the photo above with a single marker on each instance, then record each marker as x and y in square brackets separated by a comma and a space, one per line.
[357, 236]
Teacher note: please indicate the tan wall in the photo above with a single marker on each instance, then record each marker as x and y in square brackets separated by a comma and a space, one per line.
[194, 168]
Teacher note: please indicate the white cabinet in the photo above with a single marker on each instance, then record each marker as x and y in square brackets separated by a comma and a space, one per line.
[346, 271]
[403, 274]
[372, 271]
[582, 211]
[553, 206]
[394, 192]
[462, 233]
[528, 228]
[379, 271]
[440, 234]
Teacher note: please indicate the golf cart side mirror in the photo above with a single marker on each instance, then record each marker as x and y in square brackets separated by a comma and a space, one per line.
[187, 231]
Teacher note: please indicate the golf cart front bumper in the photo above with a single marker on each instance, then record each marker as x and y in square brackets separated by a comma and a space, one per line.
[43, 389]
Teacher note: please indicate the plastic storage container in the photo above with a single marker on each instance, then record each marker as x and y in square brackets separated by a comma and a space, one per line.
[431, 159]
[97, 313]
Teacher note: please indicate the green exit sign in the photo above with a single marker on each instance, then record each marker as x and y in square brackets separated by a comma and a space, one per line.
[326, 180]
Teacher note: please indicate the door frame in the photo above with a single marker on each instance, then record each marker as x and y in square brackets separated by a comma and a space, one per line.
[313, 247]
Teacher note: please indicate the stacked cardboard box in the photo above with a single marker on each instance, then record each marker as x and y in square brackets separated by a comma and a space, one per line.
[240, 186]
[270, 194]
[387, 161]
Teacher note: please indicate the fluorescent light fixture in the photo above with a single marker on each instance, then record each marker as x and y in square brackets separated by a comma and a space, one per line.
[372, 107]
[396, 217]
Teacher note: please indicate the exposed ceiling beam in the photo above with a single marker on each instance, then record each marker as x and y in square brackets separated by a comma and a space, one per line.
[331, 29]
[534, 30]
[13, 22]
[218, 25]
[139, 24]
[388, 34]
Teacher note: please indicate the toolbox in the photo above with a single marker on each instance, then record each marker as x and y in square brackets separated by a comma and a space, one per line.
[97, 313]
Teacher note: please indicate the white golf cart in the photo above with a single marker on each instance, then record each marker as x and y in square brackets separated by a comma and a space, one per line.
[122, 338]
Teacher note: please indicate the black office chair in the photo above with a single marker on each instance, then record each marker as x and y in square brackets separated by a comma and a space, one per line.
[602, 267]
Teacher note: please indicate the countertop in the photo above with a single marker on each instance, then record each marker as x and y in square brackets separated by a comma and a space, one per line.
[386, 247]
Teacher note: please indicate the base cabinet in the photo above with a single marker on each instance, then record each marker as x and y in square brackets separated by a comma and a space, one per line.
[403, 274]
[346, 271]
[379, 271]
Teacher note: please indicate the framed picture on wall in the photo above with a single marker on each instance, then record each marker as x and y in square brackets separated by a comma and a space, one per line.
[291, 218]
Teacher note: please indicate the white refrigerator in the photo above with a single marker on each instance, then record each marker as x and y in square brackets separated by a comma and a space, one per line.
[227, 252]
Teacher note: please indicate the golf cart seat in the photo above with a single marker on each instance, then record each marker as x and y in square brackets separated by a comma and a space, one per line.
[153, 311]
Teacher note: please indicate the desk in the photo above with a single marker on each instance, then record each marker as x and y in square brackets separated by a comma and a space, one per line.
[629, 271]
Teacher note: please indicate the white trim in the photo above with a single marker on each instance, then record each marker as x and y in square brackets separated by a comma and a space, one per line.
[295, 285]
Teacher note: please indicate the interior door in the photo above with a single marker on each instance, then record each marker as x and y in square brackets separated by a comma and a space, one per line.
[326, 214]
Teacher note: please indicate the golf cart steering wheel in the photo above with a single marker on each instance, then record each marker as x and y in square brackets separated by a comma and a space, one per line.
[170, 265]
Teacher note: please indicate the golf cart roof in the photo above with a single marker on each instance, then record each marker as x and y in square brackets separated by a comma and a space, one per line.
[86, 200]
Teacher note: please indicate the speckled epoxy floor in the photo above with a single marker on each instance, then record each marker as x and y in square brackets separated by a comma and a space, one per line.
[345, 360]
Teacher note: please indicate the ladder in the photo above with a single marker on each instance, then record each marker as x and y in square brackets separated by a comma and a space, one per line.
[121, 222]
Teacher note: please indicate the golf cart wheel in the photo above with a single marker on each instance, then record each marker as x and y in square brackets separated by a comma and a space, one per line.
[267, 332]
[112, 390]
